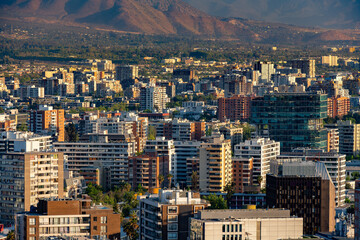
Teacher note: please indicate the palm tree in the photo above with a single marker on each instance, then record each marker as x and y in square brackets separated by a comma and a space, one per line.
[131, 227]
[169, 177]
[161, 179]
[194, 180]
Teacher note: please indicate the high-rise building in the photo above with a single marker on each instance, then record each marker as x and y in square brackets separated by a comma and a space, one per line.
[357, 210]
[166, 215]
[48, 120]
[234, 108]
[144, 170]
[153, 98]
[56, 218]
[266, 69]
[242, 173]
[262, 150]
[306, 66]
[306, 189]
[100, 152]
[165, 150]
[334, 163]
[269, 224]
[184, 150]
[338, 106]
[329, 60]
[215, 168]
[232, 132]
[27, 177]
[293, 119]
[349, 137]
[185, 74]
[126, 72]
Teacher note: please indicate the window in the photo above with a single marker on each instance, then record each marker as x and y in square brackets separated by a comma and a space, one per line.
[172, 209]
[172, 218]
[172, 227]
[103, 229]
[95, 228]
[32, 230]
[32, 238]
[223, 229]
[95, 219]
[103, 219]
[236, 228]
[240, 228]
[232, 228]
[172, 235]
[32, 221]
[227, 228]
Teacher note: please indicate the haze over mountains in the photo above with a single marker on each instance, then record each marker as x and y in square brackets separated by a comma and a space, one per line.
[169, 17]
[311, 13]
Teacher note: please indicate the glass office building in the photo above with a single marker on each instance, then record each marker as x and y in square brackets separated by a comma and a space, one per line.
[293, 119]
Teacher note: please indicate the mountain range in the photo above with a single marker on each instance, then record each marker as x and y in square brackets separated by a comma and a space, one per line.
[341, 14]
[159, 17]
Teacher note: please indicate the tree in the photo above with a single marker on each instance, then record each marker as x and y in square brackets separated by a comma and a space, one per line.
[216, 202]
[23, 127]
[355, 175]
[131, 227]
[10, 236]
[259, 180]
[230, 190]
[348, 186]
[71, 134]
[195, 181]
[151, 133]
[169, 177]
[161, 179]
[2, 110]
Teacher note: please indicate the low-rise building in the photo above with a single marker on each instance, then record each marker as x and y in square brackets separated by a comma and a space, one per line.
[270, 224]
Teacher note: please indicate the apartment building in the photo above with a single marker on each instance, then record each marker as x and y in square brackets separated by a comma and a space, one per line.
[13, 141]
[242, 175]
[144, 169]
[26, 177]
[110, 157]
[270, 224]
[215, 164]
[184, 150]
[338, 106]
[48, 120]
[262, 150]
[234, 108]
[70, 218]
[153, 98]
[357, 210]
[349, 137]
[165, 216]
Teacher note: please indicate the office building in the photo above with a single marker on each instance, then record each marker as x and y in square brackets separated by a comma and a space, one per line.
[153, 98]
[270, 224]
[49, 121]
[70, 218]
[306, 66]
[234, 108]
[26, 177]
[262, 150]
[166, 215]
[306, 189]
[215, 166]
[349, 137]
[335, 164]
[293, 119]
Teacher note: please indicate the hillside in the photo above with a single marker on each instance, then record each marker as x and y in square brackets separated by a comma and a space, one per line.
[160, 17]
